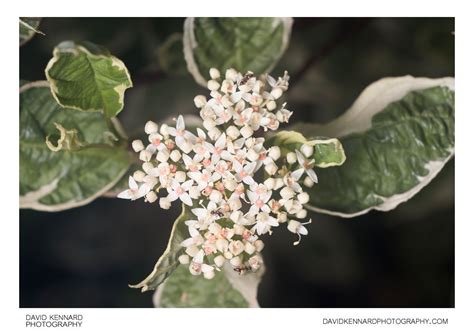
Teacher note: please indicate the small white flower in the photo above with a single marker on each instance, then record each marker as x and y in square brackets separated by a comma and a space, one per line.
[265, 222]
[182, 136]
[178, 190]
[195, 239]
[135, 191]
[296, 227]
[197, 266]
[244, 173]
[308, 166]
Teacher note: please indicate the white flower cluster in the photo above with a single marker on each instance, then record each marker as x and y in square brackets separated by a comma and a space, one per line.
[214, 172]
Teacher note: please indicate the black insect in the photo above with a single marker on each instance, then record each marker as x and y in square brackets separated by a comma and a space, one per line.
[217, 213]
[242, 269]
[246, 78]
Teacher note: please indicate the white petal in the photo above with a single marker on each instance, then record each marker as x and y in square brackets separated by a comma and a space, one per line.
[186, 199]
[180, 123]
[126, 194]
[131, 183]
[312, 175]
[296, 175]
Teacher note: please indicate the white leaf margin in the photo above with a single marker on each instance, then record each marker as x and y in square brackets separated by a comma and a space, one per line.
[190, 43]
[358, 118]
[246, 285]
[31, 199]
[75, 49]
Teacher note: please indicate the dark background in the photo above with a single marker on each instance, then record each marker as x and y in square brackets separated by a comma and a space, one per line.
[85, 257]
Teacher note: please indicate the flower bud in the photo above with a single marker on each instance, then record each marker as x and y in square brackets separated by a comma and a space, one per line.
[183, 259]
[138, 175]
[151, 127]
[213, 85]
[252, 155]
[137, 145]
[308, 182]
[162, 156]
[215, 228]
[180, 176]
[233, 132]
[271, 105]
[303, 198]
[291, 158]
[209, 274]
[151, 181]
[255, 262]
[249, 248]
[165, 203]
[209, 124]
[246, 131]
[164, 130]
[259, 245]
[239, 229]
[214, 133]
[215, 196]
[221, 245]
[274, 153]
[277, 93]
[231, 74]
[235, 204]
[282, 217]
[271, 168]
[236, 247]
[147, 167]
[230, 184]
[228, 255]
[307, 150]
[235, 216]
[214, 73]
[194, 192]
[145, 155]
[269, 183]
[151, 197]
[219, 261]
[192, 250]
[286, 193]
[175, 155]
[301, 214]
[236, 261]
[200, 101]
[279, 183]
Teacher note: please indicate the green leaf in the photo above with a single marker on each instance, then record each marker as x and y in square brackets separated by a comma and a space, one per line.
[328, 152]
[28, 28]
[168, 261]
[75, 174]
[226, 289]
[397, 136]
[246, 44]
[87, 77]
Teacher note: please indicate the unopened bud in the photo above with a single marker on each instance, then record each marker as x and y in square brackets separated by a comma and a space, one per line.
[214, 73]
[151, 197]
[200, 101]
[151, 127]
[137, 145]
